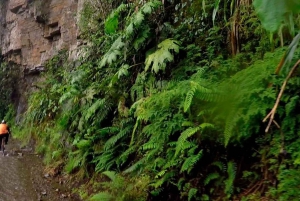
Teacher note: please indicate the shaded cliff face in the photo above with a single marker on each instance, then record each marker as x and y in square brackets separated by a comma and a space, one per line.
[32, 32]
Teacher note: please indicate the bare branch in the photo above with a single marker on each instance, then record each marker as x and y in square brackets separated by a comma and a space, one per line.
[271, 115]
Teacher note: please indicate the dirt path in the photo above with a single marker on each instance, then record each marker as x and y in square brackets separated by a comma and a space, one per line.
[22, 178]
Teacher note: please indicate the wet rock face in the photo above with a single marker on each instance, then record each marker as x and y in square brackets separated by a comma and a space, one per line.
[32, 31]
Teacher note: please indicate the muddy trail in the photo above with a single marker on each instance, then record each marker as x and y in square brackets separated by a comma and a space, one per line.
[22, 178]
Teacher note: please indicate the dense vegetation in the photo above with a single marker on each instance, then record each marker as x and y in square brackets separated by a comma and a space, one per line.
[168, 101]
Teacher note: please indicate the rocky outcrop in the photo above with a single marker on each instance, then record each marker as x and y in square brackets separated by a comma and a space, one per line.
[32, 31]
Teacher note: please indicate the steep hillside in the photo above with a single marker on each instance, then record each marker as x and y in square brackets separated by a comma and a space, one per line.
[158, 99]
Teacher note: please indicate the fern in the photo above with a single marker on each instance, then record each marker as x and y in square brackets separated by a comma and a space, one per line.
[187, 145]
[89, 93]
[211, 177]
[189, 98]
[192, 193]
[92, 110]
[137, 90]
[206, 112]
[290, 106]
[159, 58]
[207, 94]
[231, 170]
[160, 174]
[166, 177]
[201, 93]
[124, 156]
[229, 126]
[73, 162]
[138, 18]
[220, 165]
[159, 162]
[83, 144]
[123, 71]
[104, 161]
[110, 174]
[190, 162]
[103, 133]
[113, 52]
[113, 140]
[157, 191]
[102, 196]
[150, 145]
[141, 38]
[171, 163]
[188, 133]
[135, 167]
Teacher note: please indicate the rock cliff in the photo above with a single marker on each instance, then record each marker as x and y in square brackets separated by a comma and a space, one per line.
[33, 31]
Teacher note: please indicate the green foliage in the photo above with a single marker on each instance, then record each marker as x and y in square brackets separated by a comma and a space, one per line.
[102, 196]
[192, 193]
[121, 188]
[162, 55]
[190, 162]
[273, 13]
[9, 77]
[157, 104]
[231, 171]
[111, 23]
[288, 184]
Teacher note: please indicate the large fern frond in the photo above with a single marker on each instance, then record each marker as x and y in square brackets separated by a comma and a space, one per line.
[183, 137]
[192, 193]
[94, 107]
[105, 161]
[136, 166]
[113, 52]
[189, 98]
[114, 139]
[231, 121]
[188, 133]
[231, 171]
[190, 162]
[202, 93]
[125, 155]
[211, 177]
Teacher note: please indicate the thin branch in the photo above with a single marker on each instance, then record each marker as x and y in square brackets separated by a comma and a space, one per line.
[136, 64]
[276, 124]
[271, 115]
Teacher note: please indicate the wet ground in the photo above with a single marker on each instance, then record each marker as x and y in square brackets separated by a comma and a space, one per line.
[22, 178]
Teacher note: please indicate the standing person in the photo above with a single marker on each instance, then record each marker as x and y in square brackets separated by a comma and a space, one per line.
[4, 132]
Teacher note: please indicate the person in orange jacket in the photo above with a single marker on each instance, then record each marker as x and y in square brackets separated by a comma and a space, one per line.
[4, 132]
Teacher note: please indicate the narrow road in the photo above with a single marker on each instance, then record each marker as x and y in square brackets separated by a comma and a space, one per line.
[16, 183]
[22, 178]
